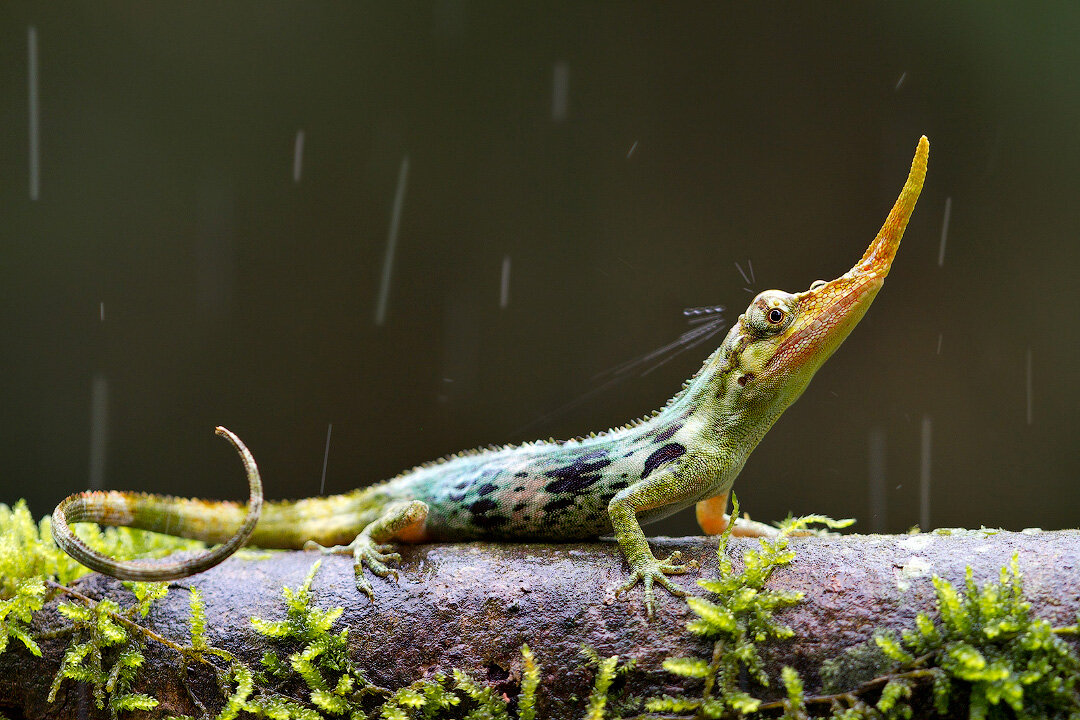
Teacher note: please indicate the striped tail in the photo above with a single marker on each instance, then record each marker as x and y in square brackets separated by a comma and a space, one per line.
[185, 518]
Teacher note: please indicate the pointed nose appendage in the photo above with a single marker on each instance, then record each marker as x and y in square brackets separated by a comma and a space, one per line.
[878, 258]
[829, 311]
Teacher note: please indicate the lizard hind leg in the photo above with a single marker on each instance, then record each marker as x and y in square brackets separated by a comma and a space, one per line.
[713, 518]
[402, 521]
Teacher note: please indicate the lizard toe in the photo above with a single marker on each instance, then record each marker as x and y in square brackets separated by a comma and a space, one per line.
[361, 582]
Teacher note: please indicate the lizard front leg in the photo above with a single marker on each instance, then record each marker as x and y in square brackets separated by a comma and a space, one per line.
[400, 521]
[664, 489]
[713, 518]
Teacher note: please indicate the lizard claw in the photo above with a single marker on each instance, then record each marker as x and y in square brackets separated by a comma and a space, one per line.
[364, 552]
[312, 546]
[653, 571]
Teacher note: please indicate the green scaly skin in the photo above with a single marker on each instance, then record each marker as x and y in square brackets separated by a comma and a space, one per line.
[612, 482]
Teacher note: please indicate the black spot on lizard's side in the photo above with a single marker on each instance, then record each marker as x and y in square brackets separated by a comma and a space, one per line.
[578, 475]
[486, 489]
[667, 433]
[490, 522]
[521, 474]
[662, 455]
[519, 507]
[620, 485]
[482, 506]
[558, 504]
[481, 518]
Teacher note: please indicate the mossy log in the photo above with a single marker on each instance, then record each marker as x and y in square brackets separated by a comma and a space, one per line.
[471, 606]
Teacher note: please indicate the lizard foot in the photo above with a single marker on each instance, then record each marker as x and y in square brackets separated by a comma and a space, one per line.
[364, 551]
[653, 571]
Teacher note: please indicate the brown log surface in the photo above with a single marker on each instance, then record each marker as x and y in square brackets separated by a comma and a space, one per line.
[471, 606]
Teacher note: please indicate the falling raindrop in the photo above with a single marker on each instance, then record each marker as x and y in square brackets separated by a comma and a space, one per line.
[702, 314]
[560, 87]
[325, 457]
[631, 150]
[900, 82]
[944, 231]
[743, 273]
[1030, 408]
[924, 475]
[298, 156]
[877, 495]
[32, 82]
[504, 285]
[642, 365]
[391, 241]
[99, 430]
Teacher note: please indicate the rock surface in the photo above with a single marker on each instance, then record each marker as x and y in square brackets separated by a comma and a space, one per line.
[471, 606]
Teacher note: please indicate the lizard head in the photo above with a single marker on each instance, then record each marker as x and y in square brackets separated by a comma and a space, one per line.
[783, 338]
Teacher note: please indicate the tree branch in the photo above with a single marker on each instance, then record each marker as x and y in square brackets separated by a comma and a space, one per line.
[471, 606]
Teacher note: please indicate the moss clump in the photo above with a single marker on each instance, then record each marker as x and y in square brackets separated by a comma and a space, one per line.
[334, 687]
[104, 653]
[17, 611]
[983, 652]
[740, 616]
[27, 550]
[334, 684]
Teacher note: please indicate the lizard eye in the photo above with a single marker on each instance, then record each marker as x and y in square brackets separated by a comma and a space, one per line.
[770, 313]
[816, 284]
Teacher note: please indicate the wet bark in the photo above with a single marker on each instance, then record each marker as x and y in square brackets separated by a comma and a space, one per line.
[471, 606]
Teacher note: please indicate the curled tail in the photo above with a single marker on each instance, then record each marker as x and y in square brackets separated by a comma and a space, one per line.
[162, 515]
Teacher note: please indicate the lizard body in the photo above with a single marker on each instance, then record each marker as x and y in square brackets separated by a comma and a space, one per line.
[687, 453]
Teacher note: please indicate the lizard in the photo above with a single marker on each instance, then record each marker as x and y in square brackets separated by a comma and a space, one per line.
[609, 483]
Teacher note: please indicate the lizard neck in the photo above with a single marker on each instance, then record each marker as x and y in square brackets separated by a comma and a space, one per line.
[719, 408]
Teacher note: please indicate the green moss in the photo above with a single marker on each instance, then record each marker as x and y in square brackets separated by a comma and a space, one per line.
[103, 653]
[739, 615]
[334, 684]
[27, 550]
[983, 653]
[987, 652]
[28, 596]
[530, 681]
[856, 665]
[979, 653]
[607, 670]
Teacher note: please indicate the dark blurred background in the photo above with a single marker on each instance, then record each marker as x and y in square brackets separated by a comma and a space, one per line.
[199, 199]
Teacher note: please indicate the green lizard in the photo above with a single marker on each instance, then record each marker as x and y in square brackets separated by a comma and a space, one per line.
[607, 483]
